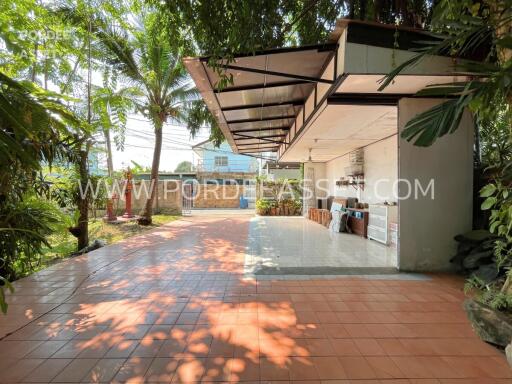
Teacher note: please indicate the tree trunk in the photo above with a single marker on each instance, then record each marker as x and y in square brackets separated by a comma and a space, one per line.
[83, 203]
[110, 161]
[145, 218]
[351, 9]
[34, 66]
[362, 10]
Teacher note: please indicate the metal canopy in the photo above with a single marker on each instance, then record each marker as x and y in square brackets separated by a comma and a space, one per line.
[269, 89]
[278, 96]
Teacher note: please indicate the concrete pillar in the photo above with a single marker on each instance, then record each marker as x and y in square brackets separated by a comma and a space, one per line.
[428, 223]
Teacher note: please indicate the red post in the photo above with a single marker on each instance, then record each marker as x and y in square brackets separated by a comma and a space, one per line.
[128, 194]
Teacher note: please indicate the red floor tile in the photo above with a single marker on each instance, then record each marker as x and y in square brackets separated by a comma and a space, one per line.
[173, 306]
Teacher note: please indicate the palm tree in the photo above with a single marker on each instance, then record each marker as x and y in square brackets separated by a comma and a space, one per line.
[111, 105]
[147, 60]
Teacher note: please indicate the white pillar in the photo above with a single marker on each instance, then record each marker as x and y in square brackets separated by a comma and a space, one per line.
[428, 223]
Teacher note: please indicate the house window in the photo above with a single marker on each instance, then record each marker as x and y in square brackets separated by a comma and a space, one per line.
[221, 161]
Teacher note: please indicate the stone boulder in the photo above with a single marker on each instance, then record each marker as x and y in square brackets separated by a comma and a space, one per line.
[491, 325]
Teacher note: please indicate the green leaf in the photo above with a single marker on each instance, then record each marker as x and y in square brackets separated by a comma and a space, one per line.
[488, 203]
[505, 42]
[488, 190]
[493, 226]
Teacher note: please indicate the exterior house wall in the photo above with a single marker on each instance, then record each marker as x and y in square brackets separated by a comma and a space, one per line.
[427, 226]
[380, 173]
[235, 162]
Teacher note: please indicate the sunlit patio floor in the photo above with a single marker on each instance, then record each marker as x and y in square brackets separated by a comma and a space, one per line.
[175, 306]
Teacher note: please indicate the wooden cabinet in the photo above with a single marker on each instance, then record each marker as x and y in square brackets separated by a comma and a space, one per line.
[358, 226]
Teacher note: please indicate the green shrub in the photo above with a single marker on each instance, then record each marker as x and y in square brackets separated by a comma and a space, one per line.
[26, 225]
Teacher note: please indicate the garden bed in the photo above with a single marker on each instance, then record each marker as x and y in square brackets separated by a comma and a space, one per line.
[63, 244]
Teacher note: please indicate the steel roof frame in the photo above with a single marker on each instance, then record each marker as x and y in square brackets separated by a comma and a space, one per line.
[297, 80]
[255, 150]
[263, 105]
[269, 140]
[325, 47]
[245, 137]
[256, 119]
[282, 128]
[260, 86]
[278, 74]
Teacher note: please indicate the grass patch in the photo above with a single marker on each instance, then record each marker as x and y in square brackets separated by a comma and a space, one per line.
[63, 244]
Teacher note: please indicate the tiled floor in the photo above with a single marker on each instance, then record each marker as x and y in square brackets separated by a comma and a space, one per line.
[173, 306]
[295, 242]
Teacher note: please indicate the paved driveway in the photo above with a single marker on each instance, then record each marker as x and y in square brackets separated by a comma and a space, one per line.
[174, 306]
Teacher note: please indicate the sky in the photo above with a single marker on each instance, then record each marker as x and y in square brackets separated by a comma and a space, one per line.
[140, 142]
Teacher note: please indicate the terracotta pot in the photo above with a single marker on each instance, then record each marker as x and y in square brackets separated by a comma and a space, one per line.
[272, 211]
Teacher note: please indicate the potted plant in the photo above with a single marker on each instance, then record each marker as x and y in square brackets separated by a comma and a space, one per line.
[486, 257]
[297, 206]
[286, 207]
[262, 207]
[273, 208]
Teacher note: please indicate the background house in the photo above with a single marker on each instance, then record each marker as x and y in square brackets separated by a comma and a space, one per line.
[222, 159]
[221, 166]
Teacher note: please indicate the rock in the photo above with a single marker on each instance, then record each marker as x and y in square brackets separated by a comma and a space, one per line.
[487, 273]
[476, 236]
[474, 259]
[491, 325]
[96, 244]
[508, 353]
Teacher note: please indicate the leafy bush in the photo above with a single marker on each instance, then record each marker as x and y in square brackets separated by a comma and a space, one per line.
[26, 225]
[492, 282]
[263, 206]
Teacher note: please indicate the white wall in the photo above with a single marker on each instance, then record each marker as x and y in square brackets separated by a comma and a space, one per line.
[380, 173]
[285, 173]
[427, 226]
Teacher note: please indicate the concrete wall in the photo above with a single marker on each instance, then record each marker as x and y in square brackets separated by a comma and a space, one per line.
[380, 173]
[203, 177]
[169, 197]
[284, 173]
[427, 226]
[217, 196]
[314, 179]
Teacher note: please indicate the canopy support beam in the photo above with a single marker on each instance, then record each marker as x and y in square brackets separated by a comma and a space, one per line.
[269, 140]
[279, 74]
[260, 86]
[282, 128]
[288, 117]
[263, 105]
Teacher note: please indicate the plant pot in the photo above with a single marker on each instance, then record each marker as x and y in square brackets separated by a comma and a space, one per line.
[491, 325]
[272, 211]
[286, 211]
